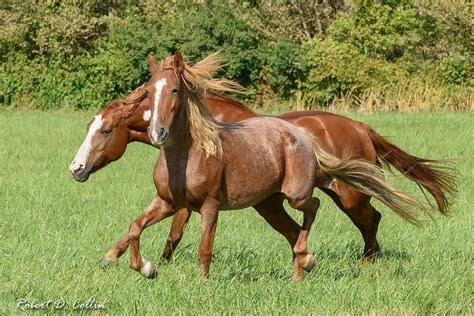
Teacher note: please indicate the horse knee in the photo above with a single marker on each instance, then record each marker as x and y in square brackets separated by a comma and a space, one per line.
[134, 230]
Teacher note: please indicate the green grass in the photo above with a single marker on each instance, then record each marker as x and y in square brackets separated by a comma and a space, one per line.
[54, 230]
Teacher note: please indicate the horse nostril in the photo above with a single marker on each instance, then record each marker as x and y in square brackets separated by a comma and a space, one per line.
[162, 132]
[79, 168]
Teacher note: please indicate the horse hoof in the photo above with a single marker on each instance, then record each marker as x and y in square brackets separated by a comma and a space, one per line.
[380, 254]
[106, 263]
[308, 263]
[148, 270]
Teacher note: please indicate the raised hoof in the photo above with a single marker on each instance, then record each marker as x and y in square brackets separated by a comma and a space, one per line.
[148, 270]
[105, 263]
[308, 263]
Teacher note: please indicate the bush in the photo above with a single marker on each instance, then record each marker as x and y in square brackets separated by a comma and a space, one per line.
[455, 70]
[285, 67]
[376, 50]
[382, 31]
[82, 54]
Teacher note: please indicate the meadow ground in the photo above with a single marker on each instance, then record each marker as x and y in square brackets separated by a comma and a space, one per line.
[54, 230]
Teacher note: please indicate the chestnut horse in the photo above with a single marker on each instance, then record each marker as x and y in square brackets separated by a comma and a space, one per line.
[202, 167]
[127, 121]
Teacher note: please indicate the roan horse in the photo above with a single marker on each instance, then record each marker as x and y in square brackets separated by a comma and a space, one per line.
[126, 120]
[201, 166]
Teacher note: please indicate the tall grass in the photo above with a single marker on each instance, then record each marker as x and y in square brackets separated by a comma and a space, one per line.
[410, 97]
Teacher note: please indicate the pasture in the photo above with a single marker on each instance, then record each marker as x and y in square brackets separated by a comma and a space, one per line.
[53, 231]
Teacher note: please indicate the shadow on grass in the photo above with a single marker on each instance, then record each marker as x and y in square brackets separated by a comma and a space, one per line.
[244, 264]
[354, 251]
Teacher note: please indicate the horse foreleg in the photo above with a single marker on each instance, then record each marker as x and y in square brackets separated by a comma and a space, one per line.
[180, 219]
[157, 211]
[209, 216]
[113, 255]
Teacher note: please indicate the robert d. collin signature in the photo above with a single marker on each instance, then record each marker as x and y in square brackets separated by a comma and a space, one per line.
[60, 304]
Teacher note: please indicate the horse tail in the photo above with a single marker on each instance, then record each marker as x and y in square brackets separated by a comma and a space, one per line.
[438, 177]
[369, 179]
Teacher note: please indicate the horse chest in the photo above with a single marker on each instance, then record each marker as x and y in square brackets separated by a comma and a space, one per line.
[186, 183]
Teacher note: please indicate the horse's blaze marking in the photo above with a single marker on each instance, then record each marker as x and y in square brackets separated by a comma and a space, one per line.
[83, 152]
[159, 85]
[147, 115]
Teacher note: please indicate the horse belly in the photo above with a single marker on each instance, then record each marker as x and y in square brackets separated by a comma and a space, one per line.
[253, 175]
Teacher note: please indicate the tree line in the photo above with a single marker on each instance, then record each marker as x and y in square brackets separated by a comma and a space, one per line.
[374, 55]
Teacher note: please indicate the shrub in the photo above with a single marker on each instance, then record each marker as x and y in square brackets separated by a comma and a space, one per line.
[377, 50]
[82, 54]
[455, 70]
[285, 67]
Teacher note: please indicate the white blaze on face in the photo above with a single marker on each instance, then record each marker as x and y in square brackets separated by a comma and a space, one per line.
[159, 85]
[147, 115]
[83, 153]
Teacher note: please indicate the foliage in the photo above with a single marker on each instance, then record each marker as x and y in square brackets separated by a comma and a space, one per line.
[284, 67]
[455, 70]
[295, 20]
[82, 54]
[375, 50]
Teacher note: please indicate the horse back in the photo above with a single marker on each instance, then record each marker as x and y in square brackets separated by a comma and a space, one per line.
[340, 135]
[264, 156]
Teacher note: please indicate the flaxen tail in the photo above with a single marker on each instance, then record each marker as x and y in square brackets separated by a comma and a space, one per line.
[438, 177]
[369, 179]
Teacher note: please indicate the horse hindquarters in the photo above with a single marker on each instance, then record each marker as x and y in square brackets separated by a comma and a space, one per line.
[300, 161]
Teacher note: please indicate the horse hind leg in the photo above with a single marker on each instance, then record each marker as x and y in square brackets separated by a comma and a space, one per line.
[371, 219]
[309, 207]
[362, 214]
[274, 213]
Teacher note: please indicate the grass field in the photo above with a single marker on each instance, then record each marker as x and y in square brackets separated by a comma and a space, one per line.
[54, 230]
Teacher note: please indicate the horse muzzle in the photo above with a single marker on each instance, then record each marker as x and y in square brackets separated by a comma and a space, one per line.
[79, 172]
[160, 138]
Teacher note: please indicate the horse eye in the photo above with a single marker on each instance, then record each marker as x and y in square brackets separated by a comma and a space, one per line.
[106, 132]
[175, 91]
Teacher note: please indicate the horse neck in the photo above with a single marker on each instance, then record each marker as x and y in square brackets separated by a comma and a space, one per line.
[222, 108]
[137, 125]
[180, 137]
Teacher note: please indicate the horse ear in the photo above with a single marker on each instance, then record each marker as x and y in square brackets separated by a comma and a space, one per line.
[152, 63]
[178, 62]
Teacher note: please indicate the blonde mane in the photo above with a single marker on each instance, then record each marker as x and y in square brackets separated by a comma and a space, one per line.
[198, 81]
